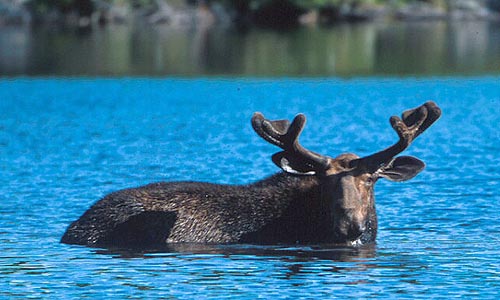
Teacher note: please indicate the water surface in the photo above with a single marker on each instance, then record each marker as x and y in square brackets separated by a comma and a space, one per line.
[64, 143]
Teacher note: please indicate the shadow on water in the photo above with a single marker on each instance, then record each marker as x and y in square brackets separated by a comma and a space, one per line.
[289, 263]
[287, 252]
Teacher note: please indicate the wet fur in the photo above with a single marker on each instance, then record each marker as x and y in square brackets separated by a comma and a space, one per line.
[283, 208]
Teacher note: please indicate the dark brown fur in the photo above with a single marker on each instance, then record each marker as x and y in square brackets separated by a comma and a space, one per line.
[282, 208]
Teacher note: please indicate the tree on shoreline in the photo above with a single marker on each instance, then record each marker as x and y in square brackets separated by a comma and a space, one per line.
[269, 13]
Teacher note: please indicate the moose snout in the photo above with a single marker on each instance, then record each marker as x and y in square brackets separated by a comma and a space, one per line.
[356, 230]
[349, 229]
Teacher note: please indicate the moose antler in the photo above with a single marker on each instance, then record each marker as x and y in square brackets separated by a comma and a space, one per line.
[281, 133]
[413, 123]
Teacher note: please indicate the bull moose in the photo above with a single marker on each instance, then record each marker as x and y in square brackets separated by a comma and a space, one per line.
[317, 199]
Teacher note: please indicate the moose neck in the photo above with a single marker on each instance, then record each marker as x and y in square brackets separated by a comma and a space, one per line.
[297, 210]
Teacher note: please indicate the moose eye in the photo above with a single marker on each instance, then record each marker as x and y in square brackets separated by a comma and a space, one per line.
[369, 181]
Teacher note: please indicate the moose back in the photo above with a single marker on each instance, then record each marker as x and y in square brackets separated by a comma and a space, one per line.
[316, 199]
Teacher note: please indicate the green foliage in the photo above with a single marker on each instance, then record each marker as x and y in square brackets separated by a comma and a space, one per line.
[323, 3]
[43, 6]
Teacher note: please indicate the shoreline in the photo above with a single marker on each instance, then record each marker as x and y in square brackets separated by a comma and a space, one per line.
[271, 16]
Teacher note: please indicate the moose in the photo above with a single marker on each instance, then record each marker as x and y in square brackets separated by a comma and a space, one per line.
[316, 199]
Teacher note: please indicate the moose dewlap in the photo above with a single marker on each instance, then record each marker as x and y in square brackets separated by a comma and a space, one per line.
[317, 199]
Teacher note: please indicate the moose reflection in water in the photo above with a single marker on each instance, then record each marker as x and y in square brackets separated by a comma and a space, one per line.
[317, 199]
[293, 254]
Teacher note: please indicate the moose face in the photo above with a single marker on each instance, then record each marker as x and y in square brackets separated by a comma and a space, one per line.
[347, 182]
[349, 193]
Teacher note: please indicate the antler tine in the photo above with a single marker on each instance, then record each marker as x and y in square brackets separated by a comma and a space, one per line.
[286, 136]
[413, 123]
[407, 131]
[433, 113]
[279, 132]
[265, 130]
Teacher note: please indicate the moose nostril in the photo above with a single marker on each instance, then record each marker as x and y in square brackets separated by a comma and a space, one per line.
[358, 229]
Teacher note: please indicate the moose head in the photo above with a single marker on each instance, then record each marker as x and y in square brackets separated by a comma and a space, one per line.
[347, 181]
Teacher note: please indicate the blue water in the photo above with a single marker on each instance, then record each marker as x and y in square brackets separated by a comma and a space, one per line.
[64, 143]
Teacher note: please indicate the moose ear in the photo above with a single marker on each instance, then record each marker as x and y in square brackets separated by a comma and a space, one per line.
[293, 164]
[402, 168]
